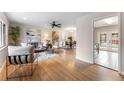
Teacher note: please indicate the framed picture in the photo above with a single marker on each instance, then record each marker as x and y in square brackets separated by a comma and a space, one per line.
[55, 36]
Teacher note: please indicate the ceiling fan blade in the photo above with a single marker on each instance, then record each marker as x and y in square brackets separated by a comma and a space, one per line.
[58, 26]
[53, 24]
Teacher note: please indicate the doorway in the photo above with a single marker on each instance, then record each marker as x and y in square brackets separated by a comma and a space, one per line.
[106, 42]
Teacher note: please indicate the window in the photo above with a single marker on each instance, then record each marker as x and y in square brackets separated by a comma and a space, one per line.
[103, 39]
[2, 34]
[114, 40]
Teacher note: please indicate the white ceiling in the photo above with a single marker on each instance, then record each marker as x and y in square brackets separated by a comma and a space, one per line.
[42, 19]
[106, 21]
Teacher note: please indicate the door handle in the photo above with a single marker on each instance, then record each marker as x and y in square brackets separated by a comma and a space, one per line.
[96, 47]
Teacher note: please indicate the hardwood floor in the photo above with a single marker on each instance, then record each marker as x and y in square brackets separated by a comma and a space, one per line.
[64, 67]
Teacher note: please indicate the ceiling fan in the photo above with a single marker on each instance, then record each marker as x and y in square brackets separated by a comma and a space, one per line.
[54, 24]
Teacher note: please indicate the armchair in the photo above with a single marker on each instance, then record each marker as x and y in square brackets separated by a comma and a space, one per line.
[20, 56]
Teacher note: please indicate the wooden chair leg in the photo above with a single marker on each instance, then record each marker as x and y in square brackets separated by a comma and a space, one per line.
[31, 69]
[6, 69]
[6, 72]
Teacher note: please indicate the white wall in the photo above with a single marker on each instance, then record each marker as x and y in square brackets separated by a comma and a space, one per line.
[84, 50]
[84, 39]
[64, 34]
[3, 51]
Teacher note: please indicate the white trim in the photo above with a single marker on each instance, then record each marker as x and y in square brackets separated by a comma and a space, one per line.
[86, 61]
[1, 48]
[120, 43]
[6, 33]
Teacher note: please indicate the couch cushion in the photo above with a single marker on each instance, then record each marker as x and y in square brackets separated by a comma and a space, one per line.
[20, 50]
[20, 55]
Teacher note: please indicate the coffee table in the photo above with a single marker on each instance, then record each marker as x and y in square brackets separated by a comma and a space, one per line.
[39, 50]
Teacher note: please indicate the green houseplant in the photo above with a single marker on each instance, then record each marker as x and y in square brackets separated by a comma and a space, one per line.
[14, 32]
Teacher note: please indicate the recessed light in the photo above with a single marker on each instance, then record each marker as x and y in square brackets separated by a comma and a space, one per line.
[109, 21]
[25, 18]
[46, 35]
[71, 28]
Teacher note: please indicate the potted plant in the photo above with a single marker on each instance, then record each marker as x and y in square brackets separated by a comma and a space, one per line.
[14, 32]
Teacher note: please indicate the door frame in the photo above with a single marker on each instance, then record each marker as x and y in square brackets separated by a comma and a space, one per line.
[120, 31]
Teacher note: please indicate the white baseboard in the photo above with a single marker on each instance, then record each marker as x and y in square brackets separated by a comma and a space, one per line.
[122, 73]
[3, 65]
[87, 61]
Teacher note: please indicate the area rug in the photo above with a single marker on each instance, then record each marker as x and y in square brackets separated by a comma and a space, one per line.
[44, 56]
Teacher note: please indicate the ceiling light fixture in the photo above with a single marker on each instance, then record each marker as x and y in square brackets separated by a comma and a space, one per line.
[46, 35]
[25, 18]
[109, 20]
[71, 28]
